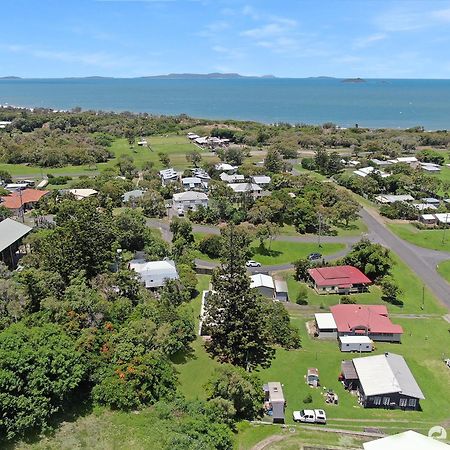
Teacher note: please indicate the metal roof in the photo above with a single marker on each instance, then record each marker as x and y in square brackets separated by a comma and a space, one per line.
[408, 440]
[275, 391]
[189, 196]
[385, 374]
[348, 370]
[154, 273]
[355, 339]
[325, 321]
[280, 285]
[261, 280]
[11, 231]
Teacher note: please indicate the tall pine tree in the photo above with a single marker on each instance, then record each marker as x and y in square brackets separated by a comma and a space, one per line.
[234, 312]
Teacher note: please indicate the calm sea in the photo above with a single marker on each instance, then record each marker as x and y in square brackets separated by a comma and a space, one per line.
[374, 103]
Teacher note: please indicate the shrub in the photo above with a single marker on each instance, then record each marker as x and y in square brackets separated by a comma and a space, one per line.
[347, 300]
[307, 399]
[211, 245]
[302, 296]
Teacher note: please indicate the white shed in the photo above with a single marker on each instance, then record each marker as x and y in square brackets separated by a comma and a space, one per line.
[326, 326]
[355, 344]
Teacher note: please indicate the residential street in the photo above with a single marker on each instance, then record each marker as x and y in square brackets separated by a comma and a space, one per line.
[422, 261]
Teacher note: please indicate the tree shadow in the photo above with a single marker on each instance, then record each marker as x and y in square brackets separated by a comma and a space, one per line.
[182, 357]
[264, 251]
[79, 405]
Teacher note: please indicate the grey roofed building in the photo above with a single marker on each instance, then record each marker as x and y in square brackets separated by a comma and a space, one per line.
[234, 178]
[263, 180]
[11, 232]
[380, 374]
[394, 198]
[132, 195]
[154, 273]
[281, 290]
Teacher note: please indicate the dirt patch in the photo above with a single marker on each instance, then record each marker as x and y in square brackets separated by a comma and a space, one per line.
[268, 441]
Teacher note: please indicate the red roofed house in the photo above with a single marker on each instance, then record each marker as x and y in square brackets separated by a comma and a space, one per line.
[366, 320]
[338, 280]
[20, 201]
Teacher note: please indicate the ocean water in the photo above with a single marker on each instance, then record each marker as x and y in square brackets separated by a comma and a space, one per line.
[374, 103]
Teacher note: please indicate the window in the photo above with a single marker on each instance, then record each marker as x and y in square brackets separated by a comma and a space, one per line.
[412, 402]
[377, 401]
[386, 401]
[403, 402]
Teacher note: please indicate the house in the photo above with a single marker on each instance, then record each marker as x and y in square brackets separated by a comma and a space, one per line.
[132, 196]
[427, 219]
[281, 290]
[200, 173]
[442, 218]
[366, 320]
[243, 188]
[189, 200]
[326, 327]
[408, 440]
[389, 199]
[274, 401]
[224, 167]
[22, 200]
[192, 183]
[338, 280]
[192, 136]
[406, 160]
[423, 206]
[355, 344]
[231, 178]
[80, 194]
[381, 162]
[368, 170]
[168, 176]
[154, 273]
[385, 381]
[264, 284]
[431, 201]
[261, 180]
[11, 234]
[429, 167]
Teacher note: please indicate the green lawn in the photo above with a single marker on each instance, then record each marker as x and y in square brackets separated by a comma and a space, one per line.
[355, 229]
[413, 294]
[281, 252]
[444, 269]
[434, 239]
[175, 146]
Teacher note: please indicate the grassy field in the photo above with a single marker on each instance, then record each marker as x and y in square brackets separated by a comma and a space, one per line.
[434, 239]
[355, 229]
[444, 269]
[281, 252]
[175, 146]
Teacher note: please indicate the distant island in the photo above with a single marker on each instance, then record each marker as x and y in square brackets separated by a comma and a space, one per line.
[10, 77]
[353, 80]
[204, 76]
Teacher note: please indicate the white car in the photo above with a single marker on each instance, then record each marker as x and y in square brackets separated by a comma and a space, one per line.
[310, 416]
[252, 263]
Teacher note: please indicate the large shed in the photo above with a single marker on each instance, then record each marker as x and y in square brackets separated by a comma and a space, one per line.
[355, 344]
[326, 327]
[11, 234]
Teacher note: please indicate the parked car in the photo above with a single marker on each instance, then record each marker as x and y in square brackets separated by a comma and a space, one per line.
[310, 416]
[252, 263]
[447, 362]
[314, 256]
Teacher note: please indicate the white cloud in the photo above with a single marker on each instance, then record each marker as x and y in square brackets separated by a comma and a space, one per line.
[441, 14]
[368, 40]
[232, 53]
[277, 27]
[211, 30]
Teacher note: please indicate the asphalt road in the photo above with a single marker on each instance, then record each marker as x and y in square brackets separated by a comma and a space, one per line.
[422, 261]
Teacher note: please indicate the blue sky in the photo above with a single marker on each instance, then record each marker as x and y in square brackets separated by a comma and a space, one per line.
[287, 38]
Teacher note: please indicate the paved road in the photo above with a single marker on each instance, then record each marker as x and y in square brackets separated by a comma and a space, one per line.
[422, 261]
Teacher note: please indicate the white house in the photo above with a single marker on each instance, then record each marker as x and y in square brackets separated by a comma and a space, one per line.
[231, 178]
[368, 170]
[224, 167]
[189, 200]
[408, 440]
[242, 188]
[261, 180]
[80, 194]
[168, 176]
[154, 273]
[192, 183]
[388, 199]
